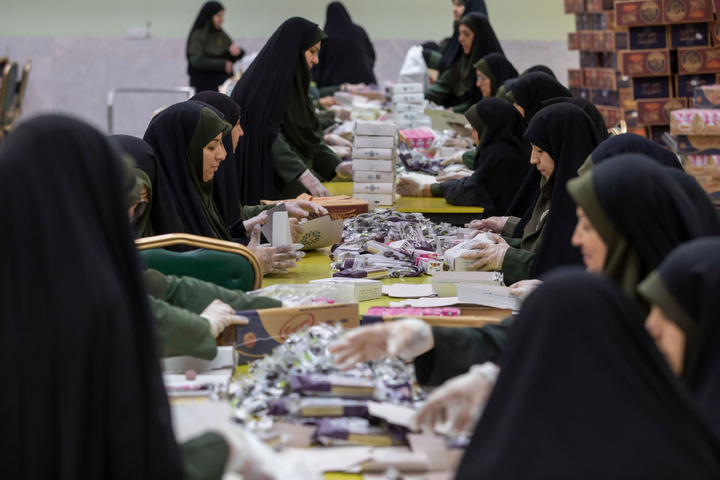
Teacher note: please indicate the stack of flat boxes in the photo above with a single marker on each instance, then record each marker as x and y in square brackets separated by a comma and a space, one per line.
[408, 105]
[374, 160]
[671, 50]
[598, 80]
[696, 138]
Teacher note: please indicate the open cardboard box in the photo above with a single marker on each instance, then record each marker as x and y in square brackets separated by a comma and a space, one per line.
[470, 316]
[338, 207]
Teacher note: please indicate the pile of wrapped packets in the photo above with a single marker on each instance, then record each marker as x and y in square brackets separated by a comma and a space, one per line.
[387, 243]
[299, 384]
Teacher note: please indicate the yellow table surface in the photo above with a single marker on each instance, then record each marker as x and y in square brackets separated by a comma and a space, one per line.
[409, 204]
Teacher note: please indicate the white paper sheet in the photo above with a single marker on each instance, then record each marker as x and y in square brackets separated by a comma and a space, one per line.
[320, 232]
[399, 290]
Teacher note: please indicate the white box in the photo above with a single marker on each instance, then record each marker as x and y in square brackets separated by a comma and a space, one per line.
[372, 198]
[375, 127]
[362, 288]
[373, 165]
[408, 97]
[407, 88]
[445, 283]
[360, 176]
[453, 257]
[364, 141]
[373, 153]
[373, 188]
[408, 107]
[488, 295]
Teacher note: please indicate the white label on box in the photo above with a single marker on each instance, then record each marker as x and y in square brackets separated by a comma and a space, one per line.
[408, 97]
[488, 295]
[373, 177]
[375, 198]
[408, 107]
[364, 127]
[365, 141]
[374, 165]
[374, 153]
[373, 188]
[407, 88]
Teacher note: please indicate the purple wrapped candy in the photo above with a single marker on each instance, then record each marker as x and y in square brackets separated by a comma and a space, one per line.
[333, 385]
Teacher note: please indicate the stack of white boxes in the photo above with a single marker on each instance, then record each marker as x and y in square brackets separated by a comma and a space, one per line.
[374, 160]
[408, 105]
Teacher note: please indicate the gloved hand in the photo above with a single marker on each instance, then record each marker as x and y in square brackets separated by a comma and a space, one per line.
[301, 208]
[337, 140]
[410, 187]
[490, 255]
[344, 170]
[219, 315]
[444, 176]
[523, 288]
[295, 229]
[314, 186]
[327, 102]
[253, 459]
[459, 401]
[260, 219]
[490, 224]
[272, 259]
[456, 157]
[342, 114]
[404, 339]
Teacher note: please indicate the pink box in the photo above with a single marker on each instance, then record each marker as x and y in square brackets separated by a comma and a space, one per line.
[695, 121]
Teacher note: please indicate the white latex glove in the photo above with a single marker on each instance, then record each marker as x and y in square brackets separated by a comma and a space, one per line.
[234, 50]
[337, 140]
[327, 102]
[344, 170]
[456, 405]
[272, 259]
[444, 176]
[342, 114]
[462, 130]
[490, 255]
[490, 224]
[295, 229]
[254, 460]
[260, 219]
[409, 187]
[219, 315]
[301, 208]
[456, 157]
[314, 186]
[523, 288]
[404, 339]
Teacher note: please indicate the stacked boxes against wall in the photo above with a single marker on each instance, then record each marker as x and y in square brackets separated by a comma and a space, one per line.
[696, 138]
[408, 105]
[374, 160]
[671, 51]
[599, 40]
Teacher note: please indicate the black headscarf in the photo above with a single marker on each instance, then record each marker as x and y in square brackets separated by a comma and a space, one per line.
[533, 89]
[272, 94]
[591, 111]
[206, 13]
[539, 68]
[642, 211]
[632, 143]
[497, 69]
[685, 286]
[584, 394]
[226, 191]
[82, 386]
[178, 135]
[347, 56]
[503, 155]
[453, 46]
[568, 135]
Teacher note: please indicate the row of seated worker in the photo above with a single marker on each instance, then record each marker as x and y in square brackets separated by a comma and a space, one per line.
[622, 355]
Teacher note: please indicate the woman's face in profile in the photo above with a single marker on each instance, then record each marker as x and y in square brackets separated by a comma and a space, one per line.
[218, 19]
[213, 154]
[311, 55]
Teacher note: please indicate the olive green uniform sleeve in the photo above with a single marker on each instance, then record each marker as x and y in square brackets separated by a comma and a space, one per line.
[513, 242]
[517, 265]
[441, 91]
[289, 166]
[510, 226]
[204, 457]
[182, 332]
[468, 159]
[437, 189]
[195, 295]
[433, 60]
[197, 57]
[250, 211]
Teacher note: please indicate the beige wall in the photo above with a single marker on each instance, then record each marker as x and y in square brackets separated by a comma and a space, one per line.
[383, 19]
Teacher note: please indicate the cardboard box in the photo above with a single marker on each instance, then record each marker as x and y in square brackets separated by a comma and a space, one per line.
[631, 120]
[600, 78]
[693, 121]
[408, 97]
[657, 111]
[373, 177]
[697, 145]
[698, 60]
[417, 137]
[574, 6]
[376, 199]
[635, 13]
[407, 88]
[614, 41]
[652, 87]
[702, 165]
[648, 63]
[408, 107]
[707, 96]
[453, 256]
[685, 84]
[580, 93]
[360, 289]
[690, 35]
[271, 327]
[374, 165]
[715, 33]
[488, 295]
[573, 41]
[338, 207]
[365, 141]
[608, 98]
[602, 41]
[687, 11]
[373, 153]
[598, 6]
[445, 284]
[575, 78]
[656, 132]
[627, 102]
[637, 131]
[386, 188]
[375, 127]
[651, 37]
[611, 115]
